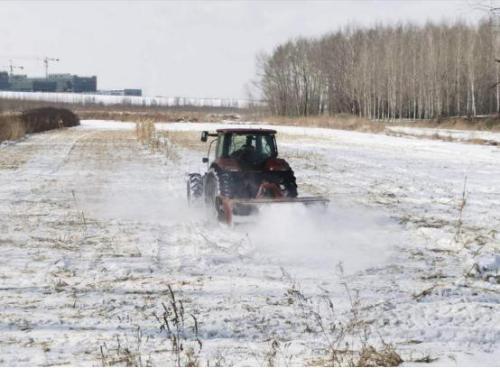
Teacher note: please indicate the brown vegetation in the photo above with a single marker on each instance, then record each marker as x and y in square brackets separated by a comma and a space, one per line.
[19, 105]
[385, 357]
[155, 141]
[11, 128]
[339, 121]
[47, 118]
[14, 126]
[155, 116]
[489, 123]
[132, 113]
[360, 124]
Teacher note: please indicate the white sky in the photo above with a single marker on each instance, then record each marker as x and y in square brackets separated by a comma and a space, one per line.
[191, 49]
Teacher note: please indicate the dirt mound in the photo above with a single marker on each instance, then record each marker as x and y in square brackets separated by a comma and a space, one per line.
[47, 118]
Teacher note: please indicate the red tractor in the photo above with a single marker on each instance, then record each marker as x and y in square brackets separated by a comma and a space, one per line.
[245, 174]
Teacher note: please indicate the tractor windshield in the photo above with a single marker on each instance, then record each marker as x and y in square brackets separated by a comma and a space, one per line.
[252, 147]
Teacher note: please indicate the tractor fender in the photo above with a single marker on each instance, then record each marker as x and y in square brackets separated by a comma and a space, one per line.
[226, 164]
[276, 164]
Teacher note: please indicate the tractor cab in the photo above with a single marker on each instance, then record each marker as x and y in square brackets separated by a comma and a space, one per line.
[246, 147]
[249, 148]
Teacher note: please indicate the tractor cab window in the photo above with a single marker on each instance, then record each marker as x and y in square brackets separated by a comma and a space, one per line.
[253, 147]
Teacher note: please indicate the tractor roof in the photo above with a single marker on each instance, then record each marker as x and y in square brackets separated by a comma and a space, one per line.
[246, 131]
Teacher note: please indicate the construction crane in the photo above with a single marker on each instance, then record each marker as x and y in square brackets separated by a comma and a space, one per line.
[46, 60]
[12, 67]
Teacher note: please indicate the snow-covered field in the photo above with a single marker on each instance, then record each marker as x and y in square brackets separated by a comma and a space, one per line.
[95, 229]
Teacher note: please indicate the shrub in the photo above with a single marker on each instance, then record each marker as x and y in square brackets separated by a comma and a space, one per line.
[47, 118]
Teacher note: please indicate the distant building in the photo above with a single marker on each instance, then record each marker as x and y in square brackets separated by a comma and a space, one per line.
[74, 83]
[121, 92]
[63, 82]
[132, 92]
[84, 84]
[54, 83]
[4, 81]
[44, 85]
[59, 83]
[20, 83]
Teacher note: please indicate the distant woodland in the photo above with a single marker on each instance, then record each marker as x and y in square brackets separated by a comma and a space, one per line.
[386, 72]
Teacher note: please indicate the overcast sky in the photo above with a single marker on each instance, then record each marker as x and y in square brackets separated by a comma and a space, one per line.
[191, 49]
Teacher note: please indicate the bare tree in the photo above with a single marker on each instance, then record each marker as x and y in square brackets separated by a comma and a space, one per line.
[387, 72]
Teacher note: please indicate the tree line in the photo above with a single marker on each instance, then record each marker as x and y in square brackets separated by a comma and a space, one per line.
[386, 72]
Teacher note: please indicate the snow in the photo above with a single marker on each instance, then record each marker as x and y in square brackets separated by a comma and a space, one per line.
[106, 125]
[486, 267]
[96, 227]
[491, 263]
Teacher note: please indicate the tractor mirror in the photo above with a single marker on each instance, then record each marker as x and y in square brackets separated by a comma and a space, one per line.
[204, 136]
[204, 159]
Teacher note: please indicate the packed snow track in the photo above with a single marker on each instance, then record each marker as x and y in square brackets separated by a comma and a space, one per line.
[95, 231]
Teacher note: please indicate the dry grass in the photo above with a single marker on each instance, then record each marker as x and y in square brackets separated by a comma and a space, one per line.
[189, 140]
[11, 127]
[356, 123]
[156, 142]
[156, 116]
[210, 114]
[384, 357]
[128, 355]
[14, 126]
[486, 123]
[484, 142]
[145, 131]
[344, 340]
[177, 328]
[181, 329]
[438, 136]
[21, 105]
[140, 116]
[340, 121]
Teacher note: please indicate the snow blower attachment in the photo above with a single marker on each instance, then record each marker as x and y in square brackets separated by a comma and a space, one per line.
[245, 175]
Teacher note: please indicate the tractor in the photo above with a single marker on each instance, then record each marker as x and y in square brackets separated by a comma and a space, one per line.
[246, 173]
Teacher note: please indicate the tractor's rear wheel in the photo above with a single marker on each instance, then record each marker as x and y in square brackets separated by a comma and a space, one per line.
[224, 211]
[217, 192]
[211, 188]
[194, 187]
